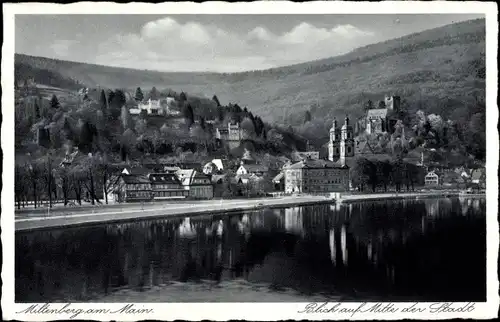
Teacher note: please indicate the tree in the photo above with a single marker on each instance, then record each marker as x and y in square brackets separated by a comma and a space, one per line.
[139, 96]
[128, 142]
[86, 136]
[216, 100]
[21, 183]
[117, 100]
[54, 102]
[248, 127]
[141, 126]
[384, 170]
[362, 174]
[381, 104]
[274, 137]
[154, 94]
[199, 135]
[126, 118]
[182, 97]
[369, 105]
[220, 113]
[307, 116]
[103, 102]
[37, 110]
[188, 113]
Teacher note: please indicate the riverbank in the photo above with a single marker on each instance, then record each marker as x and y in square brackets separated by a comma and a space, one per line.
[132, 212]
[64, 217]
[349, 198]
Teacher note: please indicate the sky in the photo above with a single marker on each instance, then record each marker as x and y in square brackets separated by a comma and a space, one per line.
[211, 43]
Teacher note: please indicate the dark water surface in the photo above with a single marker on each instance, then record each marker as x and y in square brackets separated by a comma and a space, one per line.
[426, 250]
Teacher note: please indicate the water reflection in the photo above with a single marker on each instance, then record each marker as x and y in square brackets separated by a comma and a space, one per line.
[412, 250]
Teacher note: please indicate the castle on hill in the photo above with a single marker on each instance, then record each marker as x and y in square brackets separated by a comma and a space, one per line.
[231, 135]
[382, 119]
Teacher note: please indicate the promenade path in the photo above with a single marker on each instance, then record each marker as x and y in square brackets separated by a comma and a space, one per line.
[345, 198]
[26, 220]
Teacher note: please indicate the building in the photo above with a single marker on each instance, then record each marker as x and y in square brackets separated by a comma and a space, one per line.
[231, 135]
[376, 121]
[299, 156]
[431, 179]
[256, 169]
[213, 167]
[131, 188]
[341, 144]
[156, 107]
[478, 176]
[279, 182]
[197, 183]
[316, 176]
[166, 186]
[453, 179]
[379, 120]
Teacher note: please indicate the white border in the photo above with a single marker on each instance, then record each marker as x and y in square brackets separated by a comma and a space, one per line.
[248, 311]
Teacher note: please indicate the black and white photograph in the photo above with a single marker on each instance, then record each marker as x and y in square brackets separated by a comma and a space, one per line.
[322, 159]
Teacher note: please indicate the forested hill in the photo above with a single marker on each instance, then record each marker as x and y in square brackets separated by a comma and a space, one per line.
[441, 70]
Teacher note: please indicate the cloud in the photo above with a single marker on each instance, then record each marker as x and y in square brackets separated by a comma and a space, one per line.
[61, 48]
[166, 44]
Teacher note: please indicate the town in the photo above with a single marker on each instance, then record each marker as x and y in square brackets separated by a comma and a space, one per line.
[171, 149]
[229, 157]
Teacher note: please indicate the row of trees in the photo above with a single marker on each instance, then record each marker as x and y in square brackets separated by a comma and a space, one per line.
[383, 175]
[42, 177]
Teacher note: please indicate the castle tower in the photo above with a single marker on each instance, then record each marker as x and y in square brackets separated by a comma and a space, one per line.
[334, 143]
[347, 141]
[392, 102]
[233, 135]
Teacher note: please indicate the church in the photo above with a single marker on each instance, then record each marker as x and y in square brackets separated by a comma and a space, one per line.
[341, 145]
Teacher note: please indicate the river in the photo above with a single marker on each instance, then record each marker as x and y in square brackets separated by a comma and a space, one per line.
[405, 250]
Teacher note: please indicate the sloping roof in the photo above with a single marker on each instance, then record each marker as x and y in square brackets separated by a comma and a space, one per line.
[217, 177]
[138, 170]
[218, 163]
[161, 178]
[314, 164]
[255, 168]
[431, 174]
[131, 178]
[171, 169]
[363, 147]
[245, 177]
[187, 176]
[376, 113]
[184, 174]
[278, 178]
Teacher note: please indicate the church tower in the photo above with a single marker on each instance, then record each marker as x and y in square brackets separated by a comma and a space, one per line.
[347, 141]
[334, 144]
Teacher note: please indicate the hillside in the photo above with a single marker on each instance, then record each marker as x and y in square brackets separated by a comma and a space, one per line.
[440, 70]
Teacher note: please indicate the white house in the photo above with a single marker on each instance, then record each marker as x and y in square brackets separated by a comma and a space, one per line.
[213, 166]
[155, 107]
[432, 178]
[256, 169]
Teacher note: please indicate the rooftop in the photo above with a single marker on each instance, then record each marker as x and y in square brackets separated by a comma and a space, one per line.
[255, 168]
[162, 178]
[376, 113]
[315, 164]
[131, 178]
